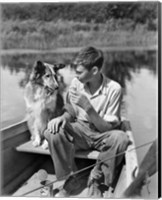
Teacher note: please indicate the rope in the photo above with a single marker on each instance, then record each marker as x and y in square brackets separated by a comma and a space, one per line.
[90, 166]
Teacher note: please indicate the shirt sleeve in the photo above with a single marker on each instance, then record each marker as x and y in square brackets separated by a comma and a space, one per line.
[69, 107]
[113, 109]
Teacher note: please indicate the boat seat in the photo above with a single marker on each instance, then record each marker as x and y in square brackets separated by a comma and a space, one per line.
[90, 154]
[29, 148]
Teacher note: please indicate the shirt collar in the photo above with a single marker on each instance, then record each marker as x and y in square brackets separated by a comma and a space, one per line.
[102, 88]
[105, 84]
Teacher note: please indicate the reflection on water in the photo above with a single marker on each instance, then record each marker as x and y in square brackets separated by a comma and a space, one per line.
[117, 66]
[12, 103]
[135, 71]
[120, 65]
[25, 62]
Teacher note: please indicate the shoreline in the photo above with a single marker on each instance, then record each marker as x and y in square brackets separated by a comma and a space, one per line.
[76, 49]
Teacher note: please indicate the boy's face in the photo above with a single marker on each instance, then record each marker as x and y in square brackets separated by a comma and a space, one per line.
[84, 75]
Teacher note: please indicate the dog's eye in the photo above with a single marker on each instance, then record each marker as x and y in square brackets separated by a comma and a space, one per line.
[47, 75]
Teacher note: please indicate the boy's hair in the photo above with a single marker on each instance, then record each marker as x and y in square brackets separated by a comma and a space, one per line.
[89, 57]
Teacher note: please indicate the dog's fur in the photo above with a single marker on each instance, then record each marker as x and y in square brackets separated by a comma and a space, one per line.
[43, 99]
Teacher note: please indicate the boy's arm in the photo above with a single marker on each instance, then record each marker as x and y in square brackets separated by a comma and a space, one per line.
[98, 121]
[69, 112]
[55, 124]
[113, 107]
[101, 123]
[67, 116]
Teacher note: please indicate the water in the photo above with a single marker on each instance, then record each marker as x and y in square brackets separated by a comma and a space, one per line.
[136, 71]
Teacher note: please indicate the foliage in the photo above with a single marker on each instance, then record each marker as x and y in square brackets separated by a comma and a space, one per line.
[117, 65]
[138, 12]
[33, 34]
[52, 25]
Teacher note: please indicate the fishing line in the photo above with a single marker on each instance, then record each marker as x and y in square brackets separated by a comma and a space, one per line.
[90, 166]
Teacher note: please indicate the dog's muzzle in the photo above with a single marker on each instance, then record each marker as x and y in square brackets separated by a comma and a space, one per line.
[50, 91]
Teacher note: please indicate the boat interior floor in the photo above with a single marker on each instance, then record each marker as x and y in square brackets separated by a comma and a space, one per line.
[33, 182]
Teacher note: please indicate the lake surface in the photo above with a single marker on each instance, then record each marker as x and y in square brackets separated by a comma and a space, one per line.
[136, 71]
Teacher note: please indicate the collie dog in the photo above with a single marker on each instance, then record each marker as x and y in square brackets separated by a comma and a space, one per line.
[43, 99]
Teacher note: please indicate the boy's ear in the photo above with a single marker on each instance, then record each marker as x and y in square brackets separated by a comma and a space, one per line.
[95, 70]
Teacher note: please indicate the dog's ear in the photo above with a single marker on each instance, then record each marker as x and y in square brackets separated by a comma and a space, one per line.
[38, 70]
[39, 67]
[56, 67]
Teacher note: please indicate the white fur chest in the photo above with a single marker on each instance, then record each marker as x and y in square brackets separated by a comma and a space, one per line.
[38, 94]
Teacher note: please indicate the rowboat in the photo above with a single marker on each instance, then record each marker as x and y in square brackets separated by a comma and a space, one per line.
[21, 162]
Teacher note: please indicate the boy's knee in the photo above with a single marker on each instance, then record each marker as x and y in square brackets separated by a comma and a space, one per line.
[120, 137]
[47, 134]
[51, 137]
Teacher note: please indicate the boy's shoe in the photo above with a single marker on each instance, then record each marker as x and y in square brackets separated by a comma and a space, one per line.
[74, 184]
[62, 193]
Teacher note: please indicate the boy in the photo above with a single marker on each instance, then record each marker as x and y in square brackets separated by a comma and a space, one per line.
[91, 113]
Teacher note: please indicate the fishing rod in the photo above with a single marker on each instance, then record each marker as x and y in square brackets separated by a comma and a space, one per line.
[90, 166]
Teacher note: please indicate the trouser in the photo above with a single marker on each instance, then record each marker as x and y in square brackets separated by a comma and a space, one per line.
[80, 135]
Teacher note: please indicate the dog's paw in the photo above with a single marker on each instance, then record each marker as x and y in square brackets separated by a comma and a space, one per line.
[44, 144]
[36, 143]
[32, 138]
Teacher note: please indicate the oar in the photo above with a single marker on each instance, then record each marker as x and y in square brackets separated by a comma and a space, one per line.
[147, 168]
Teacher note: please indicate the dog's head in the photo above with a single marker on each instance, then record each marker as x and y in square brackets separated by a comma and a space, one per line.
[46, 75]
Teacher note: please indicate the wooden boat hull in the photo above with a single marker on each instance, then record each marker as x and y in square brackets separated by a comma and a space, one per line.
[18, 163]
[15, 166]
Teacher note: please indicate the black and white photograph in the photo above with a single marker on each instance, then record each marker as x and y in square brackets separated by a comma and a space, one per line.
[80, 99]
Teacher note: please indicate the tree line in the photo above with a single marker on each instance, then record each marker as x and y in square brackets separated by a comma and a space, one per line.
[139, 12]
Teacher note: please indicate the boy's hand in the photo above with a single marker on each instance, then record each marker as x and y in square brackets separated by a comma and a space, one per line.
[55, 124]
[80, 100]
